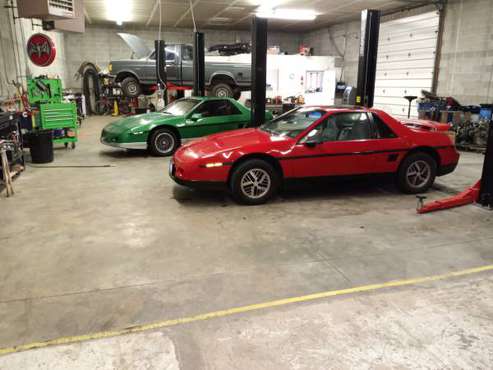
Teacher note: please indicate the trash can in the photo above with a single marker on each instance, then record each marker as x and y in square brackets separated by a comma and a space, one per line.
[41, 146]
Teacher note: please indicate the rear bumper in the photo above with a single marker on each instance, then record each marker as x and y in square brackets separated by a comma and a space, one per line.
[446, 169]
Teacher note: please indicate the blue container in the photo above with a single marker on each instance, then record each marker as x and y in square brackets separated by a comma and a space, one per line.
[485, 113]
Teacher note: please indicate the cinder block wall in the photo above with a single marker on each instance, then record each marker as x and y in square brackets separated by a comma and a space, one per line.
[101, 44]
[466, 67]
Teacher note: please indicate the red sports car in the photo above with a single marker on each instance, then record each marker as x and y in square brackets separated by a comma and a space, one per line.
[317, 141]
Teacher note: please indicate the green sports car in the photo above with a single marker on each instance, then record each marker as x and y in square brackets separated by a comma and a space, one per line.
[163, 132]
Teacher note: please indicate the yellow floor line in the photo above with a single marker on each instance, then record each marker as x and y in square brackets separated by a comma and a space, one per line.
[242, 309]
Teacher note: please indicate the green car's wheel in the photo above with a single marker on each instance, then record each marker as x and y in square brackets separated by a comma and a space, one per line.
[163, 142]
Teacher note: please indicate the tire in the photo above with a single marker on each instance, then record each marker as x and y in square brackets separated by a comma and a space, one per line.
[222, 90]
[236, 93]
[425, 168]
[131, 87]
[243, 193]
[163, 142]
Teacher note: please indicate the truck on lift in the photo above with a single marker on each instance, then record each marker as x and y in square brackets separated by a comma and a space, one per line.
[138, 76]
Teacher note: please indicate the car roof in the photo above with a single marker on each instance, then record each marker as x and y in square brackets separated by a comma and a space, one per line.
[207, 98]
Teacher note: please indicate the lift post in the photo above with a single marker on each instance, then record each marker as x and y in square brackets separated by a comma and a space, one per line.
[160, 51]
[486, 191]
[198, 64]
[367, 67]
[259, 70]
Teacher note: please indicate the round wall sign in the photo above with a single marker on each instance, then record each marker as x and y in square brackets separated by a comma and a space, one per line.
[41, 50]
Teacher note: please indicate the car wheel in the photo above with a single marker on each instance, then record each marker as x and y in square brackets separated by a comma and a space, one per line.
[417, 173]
[131, 87]
[163, 142]
[254, 182]
[236, 93]
[222, 90]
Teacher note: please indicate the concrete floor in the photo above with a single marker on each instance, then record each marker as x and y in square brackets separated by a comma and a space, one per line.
[92, 249]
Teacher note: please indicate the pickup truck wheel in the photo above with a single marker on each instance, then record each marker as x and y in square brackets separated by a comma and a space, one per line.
[131, 87]
[236, 93]
[222, 90]
[163, 142]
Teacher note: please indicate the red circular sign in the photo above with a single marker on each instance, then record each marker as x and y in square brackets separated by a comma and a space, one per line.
[41, 50]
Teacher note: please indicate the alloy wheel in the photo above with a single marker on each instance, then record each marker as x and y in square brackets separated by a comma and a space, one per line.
[164, 142]
[418, 174]
[255, 183]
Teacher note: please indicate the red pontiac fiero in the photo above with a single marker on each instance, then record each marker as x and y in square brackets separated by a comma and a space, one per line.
[311, 142]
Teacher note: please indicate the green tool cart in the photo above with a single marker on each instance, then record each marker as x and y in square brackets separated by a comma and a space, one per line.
[52, 113]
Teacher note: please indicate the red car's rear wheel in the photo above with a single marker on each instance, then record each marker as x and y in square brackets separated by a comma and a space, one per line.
[417, 173]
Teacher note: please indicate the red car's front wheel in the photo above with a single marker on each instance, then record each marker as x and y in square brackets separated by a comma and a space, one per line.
[254, 182]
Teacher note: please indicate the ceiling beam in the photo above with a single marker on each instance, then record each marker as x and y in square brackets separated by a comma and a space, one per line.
[186, 13]
[153, 12]
[233, 3]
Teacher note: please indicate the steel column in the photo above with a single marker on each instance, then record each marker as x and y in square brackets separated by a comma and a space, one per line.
[486, 190]
[367, 68]
[198, 64]
[259, 70]
[160, 51]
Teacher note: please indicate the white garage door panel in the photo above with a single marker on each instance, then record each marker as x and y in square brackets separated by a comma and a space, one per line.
[407, 64]
[404, 46]
[406, 59]
[394, 56]
[411, 74]
[420, 83]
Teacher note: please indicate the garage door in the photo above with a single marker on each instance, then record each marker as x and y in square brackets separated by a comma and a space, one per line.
[406, 59]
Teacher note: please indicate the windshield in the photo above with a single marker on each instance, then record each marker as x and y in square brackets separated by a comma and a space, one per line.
[181, 107]
[293, 122]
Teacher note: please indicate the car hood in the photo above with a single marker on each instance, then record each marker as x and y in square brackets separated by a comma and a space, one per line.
[239, 140]
[142, 121]
[136, 44]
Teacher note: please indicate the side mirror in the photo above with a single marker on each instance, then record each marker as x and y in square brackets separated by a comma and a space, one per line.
[196, 116]
[312, 142]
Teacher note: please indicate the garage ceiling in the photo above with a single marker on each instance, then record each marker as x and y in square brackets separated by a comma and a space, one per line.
[234, 14]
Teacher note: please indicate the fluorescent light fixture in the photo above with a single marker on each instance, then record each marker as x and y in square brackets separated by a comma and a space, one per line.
[292, 14]
[119, 11]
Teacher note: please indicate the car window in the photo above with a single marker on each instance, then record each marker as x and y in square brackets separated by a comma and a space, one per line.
[170, 52]
[181, 107]
[216, 108]
[187, 53]
[382, 129]
[346, 127]
[293, 122]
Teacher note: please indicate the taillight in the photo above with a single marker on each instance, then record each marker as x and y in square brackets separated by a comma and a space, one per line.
[451, 134]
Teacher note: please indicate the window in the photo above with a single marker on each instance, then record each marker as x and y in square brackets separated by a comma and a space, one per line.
[187, 53]
[346, 127]
[170, 52]
[181, 107]
[383, 131]
[216, 108]
[293, 122]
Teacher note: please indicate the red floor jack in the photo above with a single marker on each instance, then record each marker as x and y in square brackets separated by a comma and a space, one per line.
[481, 193]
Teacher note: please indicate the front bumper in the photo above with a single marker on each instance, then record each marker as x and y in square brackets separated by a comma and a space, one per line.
[124, 145]
[200, 185]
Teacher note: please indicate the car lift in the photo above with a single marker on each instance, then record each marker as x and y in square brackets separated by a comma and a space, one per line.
[480, 193]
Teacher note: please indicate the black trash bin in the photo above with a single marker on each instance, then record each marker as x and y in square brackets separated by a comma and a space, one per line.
[41, 146]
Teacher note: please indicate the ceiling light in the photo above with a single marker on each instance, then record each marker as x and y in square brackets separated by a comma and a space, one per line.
[119, 11]
[292, 14]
